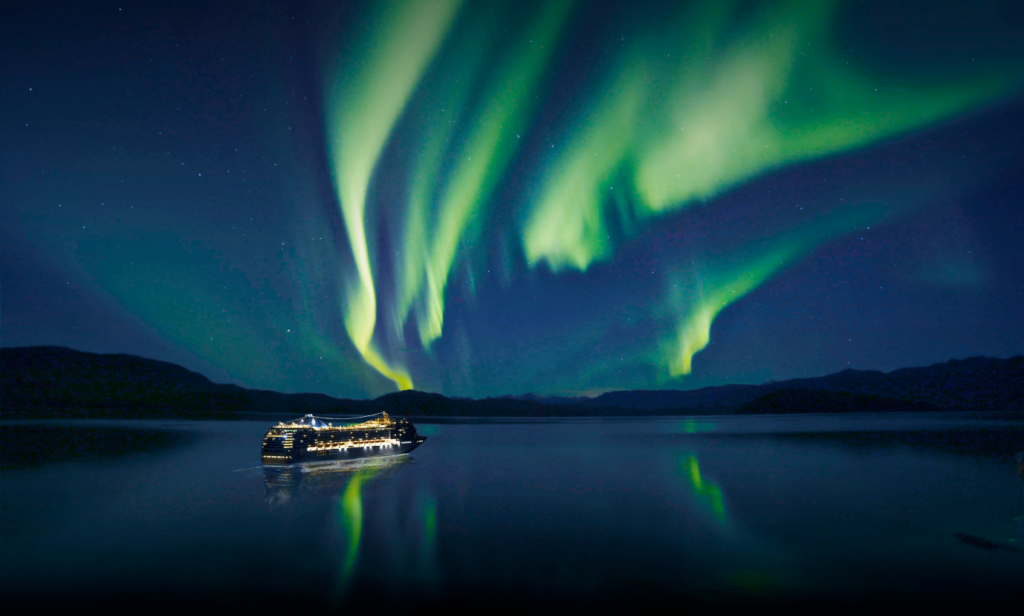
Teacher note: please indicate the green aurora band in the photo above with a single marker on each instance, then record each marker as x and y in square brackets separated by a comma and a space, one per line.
[483, 156]
[368, 96]
[720, 110]
[689, 108]
[698, 301]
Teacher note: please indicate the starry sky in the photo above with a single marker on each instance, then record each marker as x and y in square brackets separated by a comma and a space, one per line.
[487, 198]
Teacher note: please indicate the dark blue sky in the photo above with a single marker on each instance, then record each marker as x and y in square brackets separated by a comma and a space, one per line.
[173, 185]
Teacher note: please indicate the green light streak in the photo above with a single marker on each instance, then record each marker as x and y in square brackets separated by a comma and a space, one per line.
[690, 107]
[726, 107]
[351, 505]
[445, 106]
[664, 134]
[363, 105]
[717, 120]
[428, 573]
[695, 329]
[568, 227]
[708, 493]
[350, 522]
[508, 105]
[714, 291]
[695, 426]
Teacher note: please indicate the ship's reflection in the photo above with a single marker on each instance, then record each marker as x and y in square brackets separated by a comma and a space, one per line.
[321, 479]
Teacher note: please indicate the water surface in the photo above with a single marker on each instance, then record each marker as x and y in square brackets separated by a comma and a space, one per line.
[920, 508]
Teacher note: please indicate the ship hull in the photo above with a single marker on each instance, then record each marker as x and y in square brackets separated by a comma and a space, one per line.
[341, 455]
[310, 439]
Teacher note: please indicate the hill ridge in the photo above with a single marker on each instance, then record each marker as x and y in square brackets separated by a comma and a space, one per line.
[58, 381]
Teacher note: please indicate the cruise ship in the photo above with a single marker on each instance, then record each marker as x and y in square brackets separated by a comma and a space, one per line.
[311, 439]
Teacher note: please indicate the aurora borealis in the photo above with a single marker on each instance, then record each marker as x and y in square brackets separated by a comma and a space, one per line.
[487, 198]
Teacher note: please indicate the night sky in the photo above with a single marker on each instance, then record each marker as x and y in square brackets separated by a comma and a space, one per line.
[484, 198]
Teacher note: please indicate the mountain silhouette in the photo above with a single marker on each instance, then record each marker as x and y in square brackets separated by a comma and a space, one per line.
[61, 382]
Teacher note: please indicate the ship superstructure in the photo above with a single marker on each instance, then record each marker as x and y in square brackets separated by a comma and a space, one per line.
[311, 439]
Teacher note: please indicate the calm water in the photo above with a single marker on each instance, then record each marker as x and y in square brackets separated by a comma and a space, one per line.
[758, 509]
